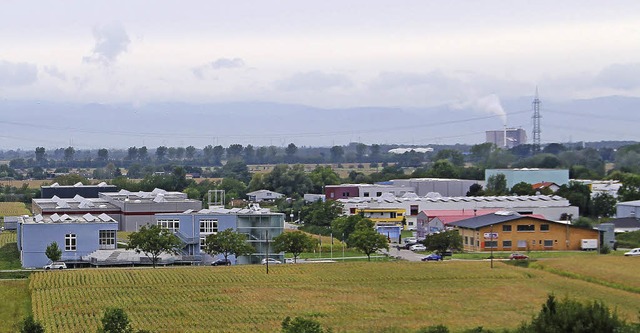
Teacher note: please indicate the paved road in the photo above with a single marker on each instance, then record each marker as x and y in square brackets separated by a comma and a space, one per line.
[403, 254]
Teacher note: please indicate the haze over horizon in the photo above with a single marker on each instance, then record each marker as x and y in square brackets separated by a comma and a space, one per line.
[265, 72]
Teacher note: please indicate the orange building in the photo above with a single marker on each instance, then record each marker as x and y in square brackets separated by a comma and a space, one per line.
[510, 231]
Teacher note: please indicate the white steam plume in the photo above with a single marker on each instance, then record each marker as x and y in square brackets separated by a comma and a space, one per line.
[491, 104]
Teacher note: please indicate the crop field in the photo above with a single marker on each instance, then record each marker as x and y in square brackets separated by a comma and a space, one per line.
[348, 297]
[615, 271]
[13, 209]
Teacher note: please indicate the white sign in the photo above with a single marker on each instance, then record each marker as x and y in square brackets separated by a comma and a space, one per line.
[490, 235]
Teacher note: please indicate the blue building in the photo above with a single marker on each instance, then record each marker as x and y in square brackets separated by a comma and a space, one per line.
[260, 226]
[77, 236]
[530, 176]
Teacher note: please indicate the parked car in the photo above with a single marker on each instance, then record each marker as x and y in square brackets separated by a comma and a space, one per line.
[271, 261]
[418, 247]
[518, 256]
[221, 262]
[55, 265]
[288, 261]
[633, 252]
[408, 245]
[432, 257]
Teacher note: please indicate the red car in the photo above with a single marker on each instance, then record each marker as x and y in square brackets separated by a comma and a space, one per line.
[518, 256]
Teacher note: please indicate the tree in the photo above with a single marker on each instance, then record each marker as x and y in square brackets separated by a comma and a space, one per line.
[321, 213]
[294, 242]
[30, 325]
[375, 152]
[522, 188]
[217, 153]
[190, 152]
[578, 194]
[302, 325]
[336, 153]
[103, 154]
[603, 205]
[322, 176]
[361, 150]
[475, 190]
[443, 169]
[291, 151]
[630, 189]
[115, 320]
[497, 185]
[153, 240]
[208, 153]
[161, 152]
[68, 154]
[453, 156]
[444, 241]
[143, 153]
[570, 316]
[234, 150]
[367, 240]
[53, 252]
[132, 153]
[228, 242]
[40, 155]
[344, 226]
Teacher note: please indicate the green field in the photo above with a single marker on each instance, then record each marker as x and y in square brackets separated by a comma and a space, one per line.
[9, 255]
[348, 297]
[16, 303]
[13, 209]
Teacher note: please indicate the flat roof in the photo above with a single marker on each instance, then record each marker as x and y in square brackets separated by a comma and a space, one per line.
[76, 203]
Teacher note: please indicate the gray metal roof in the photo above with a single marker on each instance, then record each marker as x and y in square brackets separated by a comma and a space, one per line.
[489, 219]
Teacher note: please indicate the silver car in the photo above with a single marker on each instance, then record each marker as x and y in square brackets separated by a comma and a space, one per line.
[633, 252]
[55, 265]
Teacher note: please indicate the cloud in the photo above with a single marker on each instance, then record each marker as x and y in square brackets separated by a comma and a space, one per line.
[402, 80]
[17, 73]
[315, 80]
[620, 76]
[227, 63]
[111, 41]
[53, 71]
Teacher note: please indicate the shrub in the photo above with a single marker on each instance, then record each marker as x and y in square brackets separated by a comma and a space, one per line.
[434, 329]
[30, 325]
[302, 325]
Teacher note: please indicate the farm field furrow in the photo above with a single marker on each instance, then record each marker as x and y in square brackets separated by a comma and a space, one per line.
[349, 297]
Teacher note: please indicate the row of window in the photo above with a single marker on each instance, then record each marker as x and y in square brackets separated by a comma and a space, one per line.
[525, 227]
[106, 240]
[509, 244]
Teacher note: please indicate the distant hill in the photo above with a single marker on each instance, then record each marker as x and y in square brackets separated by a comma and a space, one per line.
[27, 124]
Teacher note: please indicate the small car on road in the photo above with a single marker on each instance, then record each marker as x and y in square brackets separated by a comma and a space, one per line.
[271, 261]
[518, 256]
[418, 247]
[633, 252]
[55, 265]
[432, 257]
[221, 262]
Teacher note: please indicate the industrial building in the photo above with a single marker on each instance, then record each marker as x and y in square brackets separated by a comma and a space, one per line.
[510, 231]
[335, 192]
[130, 209]
[551, 207]
[445, 187]
[260, 225]
[77, 237]
[530, 175]
[507, 138]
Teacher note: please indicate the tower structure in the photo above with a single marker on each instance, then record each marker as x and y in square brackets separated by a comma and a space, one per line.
[536, 122]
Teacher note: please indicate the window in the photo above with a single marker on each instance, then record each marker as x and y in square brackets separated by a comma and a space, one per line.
[471, 241]
[172, 225]
[506, 228]
[393, 215]
[490, 244]
[526, 227]
[366, 194]
[107, 239]
[522, 243]
[506, 244]
[203, 242]
[466, 240]
[208, 226]
[548, 243]
[70, 242]
[378, 194]
[544, 227]
[414, 209]
[332, 194]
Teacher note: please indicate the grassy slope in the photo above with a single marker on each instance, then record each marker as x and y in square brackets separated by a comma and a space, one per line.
[350, 297]
[9, 255]
[15, 305]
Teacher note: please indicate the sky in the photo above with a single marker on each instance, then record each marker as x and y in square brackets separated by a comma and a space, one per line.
[327, 54]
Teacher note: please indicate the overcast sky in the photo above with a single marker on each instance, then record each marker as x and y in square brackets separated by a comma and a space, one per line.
[318, 53]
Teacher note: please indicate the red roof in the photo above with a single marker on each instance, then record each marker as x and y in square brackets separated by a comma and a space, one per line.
[538, 186]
